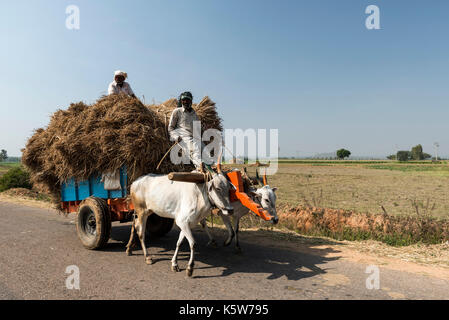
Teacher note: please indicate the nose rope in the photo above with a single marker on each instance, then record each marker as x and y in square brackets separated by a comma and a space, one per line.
[207, 178]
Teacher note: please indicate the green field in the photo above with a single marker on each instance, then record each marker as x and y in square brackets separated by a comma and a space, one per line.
[5, 166]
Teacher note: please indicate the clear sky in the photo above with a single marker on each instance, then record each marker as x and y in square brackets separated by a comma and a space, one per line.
[308, 68]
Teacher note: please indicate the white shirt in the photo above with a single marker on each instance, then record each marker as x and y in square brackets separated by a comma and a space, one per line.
[114, 88]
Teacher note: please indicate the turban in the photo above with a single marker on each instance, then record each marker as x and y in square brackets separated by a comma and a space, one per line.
[120, 73]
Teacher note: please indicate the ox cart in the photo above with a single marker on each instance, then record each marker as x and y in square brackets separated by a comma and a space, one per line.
[97, 207]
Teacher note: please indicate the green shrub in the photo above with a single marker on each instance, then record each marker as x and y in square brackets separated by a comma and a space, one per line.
[15, 178]
[403, 155]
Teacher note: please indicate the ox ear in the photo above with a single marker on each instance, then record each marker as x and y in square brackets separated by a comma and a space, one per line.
[274, 189]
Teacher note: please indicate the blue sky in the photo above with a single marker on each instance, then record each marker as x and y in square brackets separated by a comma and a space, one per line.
[308, 68]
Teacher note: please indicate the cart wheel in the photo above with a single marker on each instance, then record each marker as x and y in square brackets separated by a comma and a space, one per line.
[158, 226]
[93, 223]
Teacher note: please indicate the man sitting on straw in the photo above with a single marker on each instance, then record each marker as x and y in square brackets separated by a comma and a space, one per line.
[119, 85]
[180, 129]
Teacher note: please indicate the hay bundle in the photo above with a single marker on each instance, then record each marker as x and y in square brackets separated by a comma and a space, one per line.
[206, 111]
[117, 130]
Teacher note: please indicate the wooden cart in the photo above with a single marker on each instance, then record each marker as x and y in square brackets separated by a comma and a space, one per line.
[97, 208]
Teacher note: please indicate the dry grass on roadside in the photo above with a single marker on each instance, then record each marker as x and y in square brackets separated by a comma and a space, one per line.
[349, 225]
[27, 193]
[26, 197]
[425, 254]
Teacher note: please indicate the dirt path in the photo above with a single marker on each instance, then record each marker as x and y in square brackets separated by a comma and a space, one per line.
[37, 246]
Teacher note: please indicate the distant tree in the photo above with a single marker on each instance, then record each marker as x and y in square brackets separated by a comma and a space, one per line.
[343, 153]
[3, 155]
[417, 153]
[392, 157]
[403, 155]
[426, 156]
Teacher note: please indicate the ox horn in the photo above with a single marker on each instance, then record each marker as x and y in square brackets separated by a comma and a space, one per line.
[219, 161]
[258, 178]
[245, 175]
[265, 183]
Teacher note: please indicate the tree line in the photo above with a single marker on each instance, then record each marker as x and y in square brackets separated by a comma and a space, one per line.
[416, 153]
[3, 155]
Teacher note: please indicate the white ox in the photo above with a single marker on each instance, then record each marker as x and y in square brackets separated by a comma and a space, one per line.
[264, 196]
[186, 203]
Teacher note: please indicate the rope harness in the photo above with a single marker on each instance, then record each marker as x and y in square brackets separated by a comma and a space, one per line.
[207, 178]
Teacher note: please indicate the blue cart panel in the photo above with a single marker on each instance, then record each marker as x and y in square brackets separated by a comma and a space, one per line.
[73, 190]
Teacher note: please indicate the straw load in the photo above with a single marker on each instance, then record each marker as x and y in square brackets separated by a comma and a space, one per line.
[117, 130]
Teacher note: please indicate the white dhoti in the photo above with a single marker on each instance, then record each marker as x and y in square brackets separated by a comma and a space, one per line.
[191, 146]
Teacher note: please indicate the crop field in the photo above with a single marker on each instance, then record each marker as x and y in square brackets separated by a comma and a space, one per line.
[413, 188]
[5, 166]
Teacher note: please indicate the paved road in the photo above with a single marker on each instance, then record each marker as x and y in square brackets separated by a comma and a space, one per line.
[37, 245]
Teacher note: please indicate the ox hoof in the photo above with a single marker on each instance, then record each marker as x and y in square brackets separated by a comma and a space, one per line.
[149, 261]
[129, 253]
[227, 243]
[175, 268]
[238, 250]
[212, 244]
[189, 272]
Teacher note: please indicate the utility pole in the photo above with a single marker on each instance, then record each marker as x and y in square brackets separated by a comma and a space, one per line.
[436, 145]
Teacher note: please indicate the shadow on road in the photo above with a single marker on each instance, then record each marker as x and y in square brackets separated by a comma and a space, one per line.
[260, 253]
